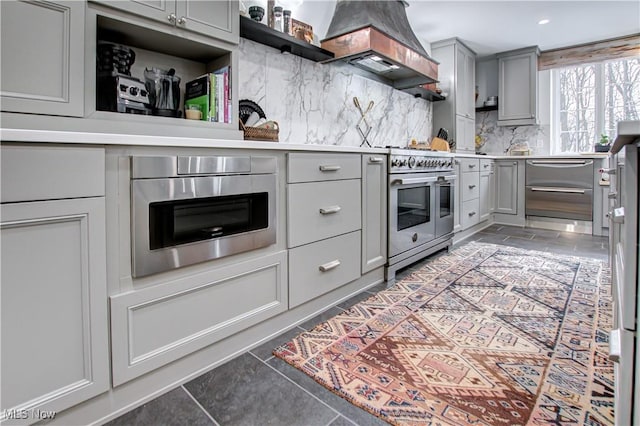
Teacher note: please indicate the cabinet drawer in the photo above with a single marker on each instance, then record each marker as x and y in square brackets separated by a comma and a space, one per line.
[469, 164]
[319, 167]
[470, 186]
[32, 173]
[156, 325]
[470, 213]
[486, 166]
[320, 210]
[320, 267]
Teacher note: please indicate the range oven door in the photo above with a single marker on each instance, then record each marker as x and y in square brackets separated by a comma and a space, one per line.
[186, 220]
[445, 190]
[412, 200]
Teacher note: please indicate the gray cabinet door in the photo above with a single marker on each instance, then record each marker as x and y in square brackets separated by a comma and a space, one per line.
[219, 19]
[55, 350]
[518, 88]
[374, 212]
[42, 45]
[485, 194]
[506, 187]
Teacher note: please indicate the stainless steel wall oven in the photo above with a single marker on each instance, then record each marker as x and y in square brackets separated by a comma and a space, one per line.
[190, 209]
[421, 196]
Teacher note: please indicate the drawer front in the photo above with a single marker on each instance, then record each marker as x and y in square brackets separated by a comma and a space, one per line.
[470, 213]
[563, 203]
[320, 267]
[486, 165]
[469, 164]
[33, 173]
[159, 324]
[320, 167]
[320, 210]
[470, 186]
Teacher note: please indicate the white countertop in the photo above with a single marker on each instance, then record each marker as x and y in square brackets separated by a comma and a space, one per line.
[75, 137]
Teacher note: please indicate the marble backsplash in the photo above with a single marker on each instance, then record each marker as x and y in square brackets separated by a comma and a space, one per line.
[498, 139]
[313, 103]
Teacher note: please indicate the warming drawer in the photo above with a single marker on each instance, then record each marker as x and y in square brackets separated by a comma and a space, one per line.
[560, 202]
[559, 188]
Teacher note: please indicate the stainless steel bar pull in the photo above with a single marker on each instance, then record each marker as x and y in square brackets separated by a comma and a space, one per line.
[561, 162]
[471, 186]
[408, 181]
[329, 265]
[375, 160]
[563, 190]
[330, 168]
[330, 210]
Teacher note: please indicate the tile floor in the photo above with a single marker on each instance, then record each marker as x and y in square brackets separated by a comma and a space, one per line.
[258, 389]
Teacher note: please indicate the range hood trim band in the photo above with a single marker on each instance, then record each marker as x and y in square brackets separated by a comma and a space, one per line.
[370, 40]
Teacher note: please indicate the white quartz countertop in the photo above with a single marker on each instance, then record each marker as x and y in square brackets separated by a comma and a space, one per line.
[75, 137]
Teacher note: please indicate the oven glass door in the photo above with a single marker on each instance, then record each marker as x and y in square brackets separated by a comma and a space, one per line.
[411, 212]
[445, 188]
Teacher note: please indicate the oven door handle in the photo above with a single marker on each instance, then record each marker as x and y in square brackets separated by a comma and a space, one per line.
[449, 178]
[214, 231]
[409, 181]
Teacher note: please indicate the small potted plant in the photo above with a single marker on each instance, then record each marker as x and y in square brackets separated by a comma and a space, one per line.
[604, 144]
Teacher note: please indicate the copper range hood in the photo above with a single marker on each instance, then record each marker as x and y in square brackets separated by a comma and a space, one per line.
[376, 36]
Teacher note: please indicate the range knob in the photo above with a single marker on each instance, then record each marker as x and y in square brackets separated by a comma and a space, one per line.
[411, 162]
[395, 162]
[404, 162]
[420, 163]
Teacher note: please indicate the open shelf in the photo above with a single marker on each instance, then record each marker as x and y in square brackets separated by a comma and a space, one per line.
[262, 34]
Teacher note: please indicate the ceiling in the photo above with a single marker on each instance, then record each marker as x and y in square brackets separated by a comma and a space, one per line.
[488, 27]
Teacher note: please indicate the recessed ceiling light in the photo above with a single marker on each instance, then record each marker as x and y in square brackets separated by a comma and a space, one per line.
[543, 21]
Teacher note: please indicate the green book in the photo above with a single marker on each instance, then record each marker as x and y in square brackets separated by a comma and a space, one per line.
[197, 93]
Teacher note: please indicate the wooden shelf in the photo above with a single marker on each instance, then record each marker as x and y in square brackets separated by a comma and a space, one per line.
[487, 108]
[262, 34]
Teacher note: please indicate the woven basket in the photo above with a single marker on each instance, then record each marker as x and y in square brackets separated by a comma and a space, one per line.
[259, 134]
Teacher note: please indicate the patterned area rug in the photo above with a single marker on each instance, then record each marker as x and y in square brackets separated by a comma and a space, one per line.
[485, 335]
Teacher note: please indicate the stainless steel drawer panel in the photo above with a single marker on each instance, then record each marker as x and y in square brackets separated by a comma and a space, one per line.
[320, 210]
[469, 164]
[319, 167]
[320, 267]
[470, 213]
[562, 203]
[560, 173]
[470, 186]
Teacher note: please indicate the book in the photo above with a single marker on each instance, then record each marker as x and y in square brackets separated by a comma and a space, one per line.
[197, 94]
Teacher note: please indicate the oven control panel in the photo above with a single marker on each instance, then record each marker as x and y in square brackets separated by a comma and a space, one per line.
[416, 164]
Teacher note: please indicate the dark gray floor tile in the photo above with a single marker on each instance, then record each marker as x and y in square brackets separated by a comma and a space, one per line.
[353, 300]
[265, 350]
[344, 407]
[341, 421]
[172, 408]
[524, 244]
[494, 228]
[245, 391]
[492, 238]
[514, 231]
[329, 313]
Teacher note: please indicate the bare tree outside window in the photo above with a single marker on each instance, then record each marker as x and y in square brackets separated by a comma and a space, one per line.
[591, 99]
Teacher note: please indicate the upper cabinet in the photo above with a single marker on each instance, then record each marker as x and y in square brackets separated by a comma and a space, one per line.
[518, 87]
[217, 19]
[42, 71]
[457, 78]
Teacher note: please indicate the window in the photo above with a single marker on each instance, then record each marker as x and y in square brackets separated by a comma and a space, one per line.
[590, 99]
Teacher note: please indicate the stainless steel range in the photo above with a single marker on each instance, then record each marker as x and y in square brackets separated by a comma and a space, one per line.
[421, 193]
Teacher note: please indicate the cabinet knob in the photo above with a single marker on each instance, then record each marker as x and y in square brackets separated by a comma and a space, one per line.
[182, 20]
[472, 213]
[172, 18]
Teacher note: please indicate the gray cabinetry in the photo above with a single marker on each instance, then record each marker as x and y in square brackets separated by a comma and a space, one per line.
[457, 112]
[53, 282]
[374, 212]
[506, 194]
[219, 19]
[42, 70]
[324, 219]
[469, 192]
[487, 189]
[518, 87]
